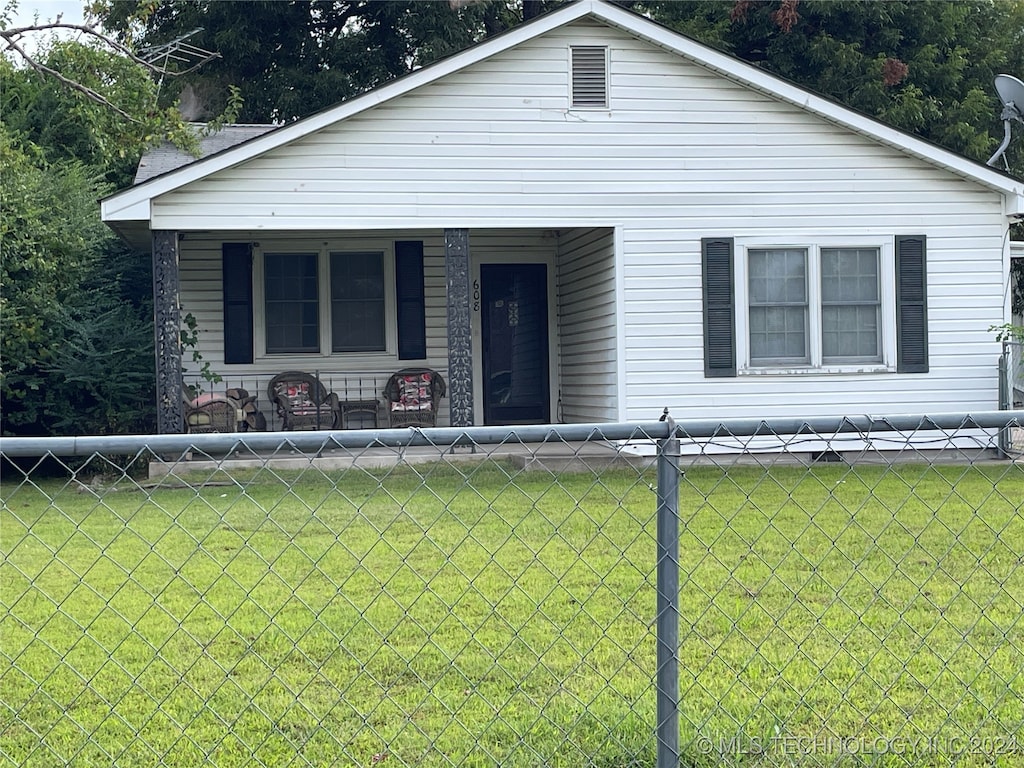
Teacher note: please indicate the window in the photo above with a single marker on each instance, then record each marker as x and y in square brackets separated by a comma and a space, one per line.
[843, 324]
[325, 301]
[778, 317]
[825, 307]
[851, 305]
[292, 302]
[357, 302]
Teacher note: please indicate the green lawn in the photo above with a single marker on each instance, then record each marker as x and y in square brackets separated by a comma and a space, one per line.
[455, 617]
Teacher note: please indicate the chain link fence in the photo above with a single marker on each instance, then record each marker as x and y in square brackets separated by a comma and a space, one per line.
[829, 592]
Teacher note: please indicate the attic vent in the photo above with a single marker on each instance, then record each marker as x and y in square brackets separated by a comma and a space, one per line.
[589, 76]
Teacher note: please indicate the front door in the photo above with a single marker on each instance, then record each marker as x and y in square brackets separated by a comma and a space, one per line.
[514, 304]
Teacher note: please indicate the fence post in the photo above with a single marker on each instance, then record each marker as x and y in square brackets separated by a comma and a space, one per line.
[1004, 398]
[667, 730]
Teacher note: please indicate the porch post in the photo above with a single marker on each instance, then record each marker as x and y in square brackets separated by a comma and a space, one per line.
[167, 330]
[460, 343]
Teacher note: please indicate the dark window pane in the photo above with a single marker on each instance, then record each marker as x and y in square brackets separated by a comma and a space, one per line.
[357, 302]
[292, 308]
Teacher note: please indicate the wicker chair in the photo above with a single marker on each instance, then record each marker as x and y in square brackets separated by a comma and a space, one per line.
[211, 414]
[412, 396]
[303, 402]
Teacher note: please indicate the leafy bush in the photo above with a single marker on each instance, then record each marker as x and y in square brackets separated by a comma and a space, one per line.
[75, 346]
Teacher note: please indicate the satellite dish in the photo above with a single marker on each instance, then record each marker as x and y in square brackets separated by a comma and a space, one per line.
[1011, 93]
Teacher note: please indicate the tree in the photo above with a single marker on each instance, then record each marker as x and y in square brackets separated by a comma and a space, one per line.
[76, 305]
[118, 86]
[75, 334]
[65, 125]
[925, 66]
[60, 287]
[98, 84]
[295, 57]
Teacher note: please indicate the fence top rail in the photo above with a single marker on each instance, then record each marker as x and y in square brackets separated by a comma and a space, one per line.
[547, 433]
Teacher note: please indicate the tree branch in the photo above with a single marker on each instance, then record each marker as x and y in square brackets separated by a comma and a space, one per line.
[73, 84]
[12, 37]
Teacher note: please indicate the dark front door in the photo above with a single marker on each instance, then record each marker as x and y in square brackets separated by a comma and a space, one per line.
[514, 305]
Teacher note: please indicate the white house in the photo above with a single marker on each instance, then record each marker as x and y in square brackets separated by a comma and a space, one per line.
[588, 218]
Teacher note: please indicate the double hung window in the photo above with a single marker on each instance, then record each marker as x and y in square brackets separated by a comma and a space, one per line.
[316, 301]
[851, 305]
[840, 305]
[320, 301]
[814, 306]
[779, 312]
[357, 302]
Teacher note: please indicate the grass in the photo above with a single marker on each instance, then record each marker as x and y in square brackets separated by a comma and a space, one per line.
[433, 620]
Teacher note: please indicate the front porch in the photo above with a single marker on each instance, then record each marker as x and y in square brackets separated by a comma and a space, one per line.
[359, 394]
[521, 324]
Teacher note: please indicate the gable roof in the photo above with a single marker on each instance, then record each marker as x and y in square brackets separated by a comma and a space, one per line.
[133, 204]
[167, 157]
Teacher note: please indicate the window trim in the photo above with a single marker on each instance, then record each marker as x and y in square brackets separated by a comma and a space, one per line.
[814, 246]
[324, 249]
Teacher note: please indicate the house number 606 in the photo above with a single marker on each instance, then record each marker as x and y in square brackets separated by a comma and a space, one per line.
[476, 295]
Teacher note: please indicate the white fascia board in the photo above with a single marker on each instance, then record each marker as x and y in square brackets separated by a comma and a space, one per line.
[255, 227]
[129, 198]
[1015, 205]
[116, 208]
[749, 75]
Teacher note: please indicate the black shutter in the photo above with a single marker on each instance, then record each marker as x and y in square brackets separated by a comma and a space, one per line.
[237, 281]
[409, 295]
[911, 305]
[719, 310]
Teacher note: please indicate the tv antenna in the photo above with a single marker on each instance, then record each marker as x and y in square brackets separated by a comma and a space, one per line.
[178, 57]
[1011, 93]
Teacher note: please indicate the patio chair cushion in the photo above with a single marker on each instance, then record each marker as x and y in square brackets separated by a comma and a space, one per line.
[297, 395]
[198, 419]
[413, 393]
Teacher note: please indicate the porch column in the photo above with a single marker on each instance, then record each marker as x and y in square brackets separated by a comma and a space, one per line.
[460, 342]
[167, 330]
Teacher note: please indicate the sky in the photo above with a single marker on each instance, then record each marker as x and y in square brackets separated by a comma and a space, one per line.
[48, 10]
[70, 12]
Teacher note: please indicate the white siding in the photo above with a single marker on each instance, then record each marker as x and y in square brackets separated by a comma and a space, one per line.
[587, 329]
[682, 154]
